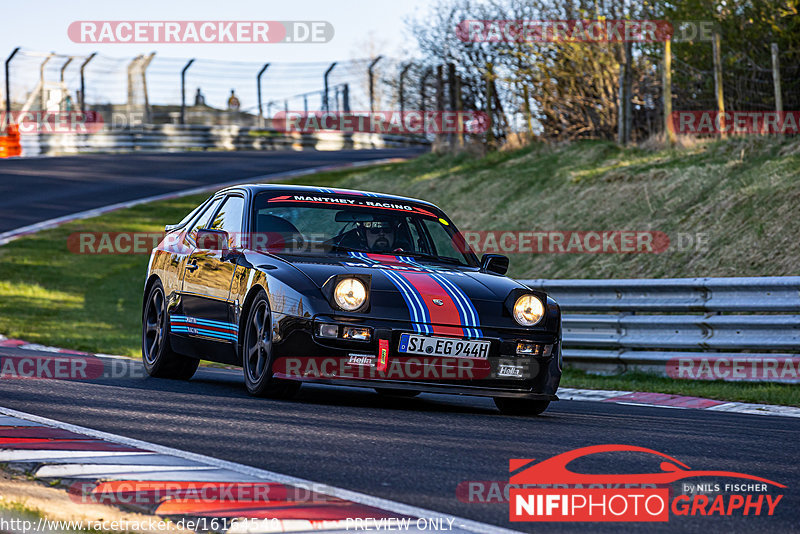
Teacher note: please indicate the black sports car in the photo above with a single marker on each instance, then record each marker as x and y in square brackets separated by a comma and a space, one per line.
[347, 287]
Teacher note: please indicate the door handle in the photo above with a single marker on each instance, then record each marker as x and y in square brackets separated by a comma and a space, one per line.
[192, 265]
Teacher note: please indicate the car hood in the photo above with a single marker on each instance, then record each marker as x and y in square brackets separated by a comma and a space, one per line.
[404, 289]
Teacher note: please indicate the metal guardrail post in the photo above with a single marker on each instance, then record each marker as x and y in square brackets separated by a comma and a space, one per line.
[371, 73]
[83, 81]
[258, 87]
[7, 118]
[183, 90]
[325, 104]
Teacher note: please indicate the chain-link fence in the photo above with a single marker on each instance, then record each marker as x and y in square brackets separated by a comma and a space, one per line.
[194, 91]
[519, 98]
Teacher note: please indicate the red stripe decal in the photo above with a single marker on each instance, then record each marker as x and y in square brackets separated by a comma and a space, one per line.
[203, 327]
[446, 314]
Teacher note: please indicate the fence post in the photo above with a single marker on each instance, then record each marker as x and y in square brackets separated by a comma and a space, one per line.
[7, 119]
[42, 97]
[183, 90]
[628, 92]
[325, 93]
[422, 83]
[459, 109]
[402, 96]
[372, 83]
[621, 106]
[64, 67]
[83, 81]
[258, 93]
[451, 94]
[346, 98]
[527, 108]
[146, 63]
[131, 67]
[489, 97]
[776, 81]
[669, 129]
[718, 92]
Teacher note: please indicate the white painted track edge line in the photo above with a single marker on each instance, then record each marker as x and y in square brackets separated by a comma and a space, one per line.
[11, 235]
[354, 496]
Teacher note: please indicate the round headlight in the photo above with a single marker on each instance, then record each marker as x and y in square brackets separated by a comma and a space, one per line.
[528, 310]
[350, 294]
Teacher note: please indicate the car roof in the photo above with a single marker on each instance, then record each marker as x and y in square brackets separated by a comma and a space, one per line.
[307, 189]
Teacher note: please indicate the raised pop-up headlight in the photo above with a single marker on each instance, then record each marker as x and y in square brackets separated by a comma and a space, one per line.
[528, 310]
[350, 294]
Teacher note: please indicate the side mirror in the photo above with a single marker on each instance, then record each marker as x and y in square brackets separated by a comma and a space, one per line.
[208, 239]
[494, 263]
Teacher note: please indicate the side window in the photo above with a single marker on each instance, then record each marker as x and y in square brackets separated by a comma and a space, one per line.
[192, 214]
[202, 219]
[229, 218]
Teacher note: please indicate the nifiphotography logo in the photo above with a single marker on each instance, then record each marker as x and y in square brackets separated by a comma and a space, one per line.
[550, 491]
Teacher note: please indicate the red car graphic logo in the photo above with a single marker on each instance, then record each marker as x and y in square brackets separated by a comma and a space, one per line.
[554, 470]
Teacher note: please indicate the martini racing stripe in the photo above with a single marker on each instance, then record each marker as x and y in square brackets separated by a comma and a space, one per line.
[182, 324]
[419, 312]
[442, 310]
[469, 315]
[467, 311]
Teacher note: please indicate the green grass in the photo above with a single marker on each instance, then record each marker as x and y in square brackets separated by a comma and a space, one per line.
[742, 194]
[756, 392]
[79, 301]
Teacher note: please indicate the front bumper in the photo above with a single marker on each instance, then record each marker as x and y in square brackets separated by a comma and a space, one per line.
[300, 355]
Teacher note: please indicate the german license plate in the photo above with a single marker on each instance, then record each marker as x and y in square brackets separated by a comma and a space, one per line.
[443, 346]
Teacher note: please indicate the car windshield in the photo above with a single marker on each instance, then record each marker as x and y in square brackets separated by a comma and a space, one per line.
[352, 224]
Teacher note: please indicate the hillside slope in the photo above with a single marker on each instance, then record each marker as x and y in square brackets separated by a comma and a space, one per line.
[729, 208]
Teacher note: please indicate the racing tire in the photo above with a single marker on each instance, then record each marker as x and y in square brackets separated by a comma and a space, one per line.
[407, 393]
[521, 406]
[160, 361]
[257, 354]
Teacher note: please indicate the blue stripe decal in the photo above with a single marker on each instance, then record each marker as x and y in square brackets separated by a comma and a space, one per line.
[202, 327]
[207, 322]
[466, 308]
[413, 299]
[204, 332]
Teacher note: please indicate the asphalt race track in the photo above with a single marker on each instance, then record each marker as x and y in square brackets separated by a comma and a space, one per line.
[416, 451]
[39, 189]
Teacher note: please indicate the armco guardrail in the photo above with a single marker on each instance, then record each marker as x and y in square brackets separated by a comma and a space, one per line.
[173, 137]
[706, 328]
